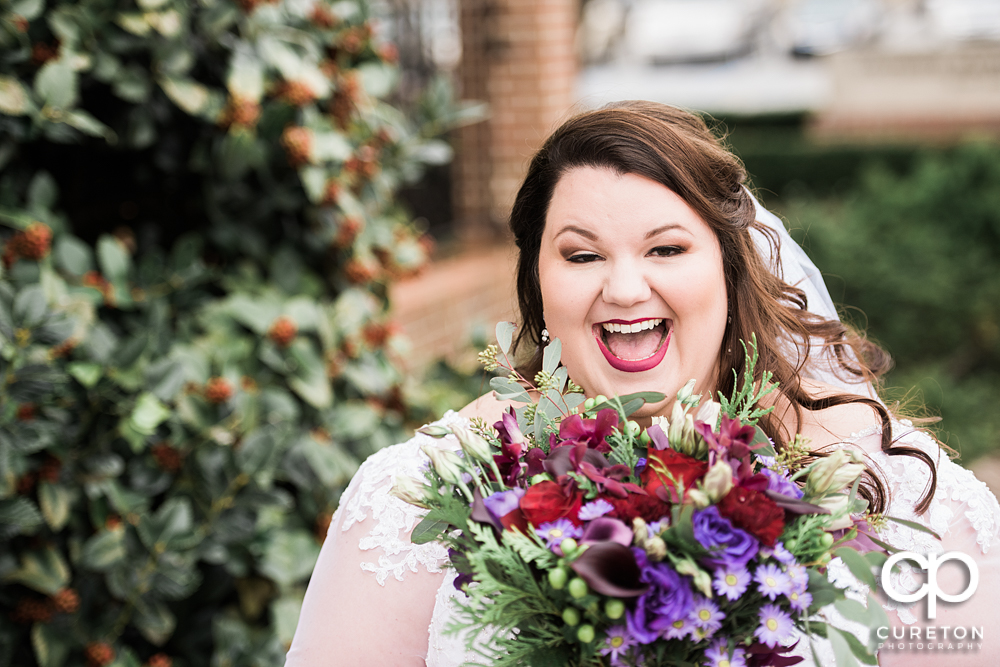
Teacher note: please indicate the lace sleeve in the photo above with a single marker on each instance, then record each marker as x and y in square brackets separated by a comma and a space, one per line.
[368, 496]
[351, 617]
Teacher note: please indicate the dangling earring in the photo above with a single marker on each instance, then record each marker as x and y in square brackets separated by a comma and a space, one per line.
[545, 335]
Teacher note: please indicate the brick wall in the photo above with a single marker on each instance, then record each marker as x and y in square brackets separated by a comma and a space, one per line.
[519, 57]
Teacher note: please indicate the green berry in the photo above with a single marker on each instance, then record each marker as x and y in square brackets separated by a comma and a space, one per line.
[571, 616]
[632, 428]
[615, 609]
[589, 404]
[578, 588]
[567, 546]
[827, 540]
[644, 438]
[558, 578]
[600, 398]
[585, 634]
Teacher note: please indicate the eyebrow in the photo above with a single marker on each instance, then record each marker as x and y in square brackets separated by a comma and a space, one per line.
[587, 234]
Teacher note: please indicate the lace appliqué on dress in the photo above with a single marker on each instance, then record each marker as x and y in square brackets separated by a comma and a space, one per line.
[959, 495]
[368, 496]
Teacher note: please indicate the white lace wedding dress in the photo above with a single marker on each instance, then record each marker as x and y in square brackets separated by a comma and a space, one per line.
[964, 512]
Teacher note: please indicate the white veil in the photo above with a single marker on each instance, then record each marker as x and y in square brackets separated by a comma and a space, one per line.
[796, 269]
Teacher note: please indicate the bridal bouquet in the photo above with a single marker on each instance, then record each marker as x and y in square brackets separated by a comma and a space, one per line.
[581, 539]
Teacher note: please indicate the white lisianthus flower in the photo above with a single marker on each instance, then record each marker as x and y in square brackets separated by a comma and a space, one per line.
[408, 490]
[447, 464]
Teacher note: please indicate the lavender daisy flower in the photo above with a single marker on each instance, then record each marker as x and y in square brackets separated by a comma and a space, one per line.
[682, 628]
[775, 625]
[731, 582]
[799, 577]
[617, 643]
[594, 510]
[706, 615]
[783, 555]
[771, 581]
[554, 532]
[800, 601]
[717, 655]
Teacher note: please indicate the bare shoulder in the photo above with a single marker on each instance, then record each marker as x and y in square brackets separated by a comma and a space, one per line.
[487, 407]
[836, 424]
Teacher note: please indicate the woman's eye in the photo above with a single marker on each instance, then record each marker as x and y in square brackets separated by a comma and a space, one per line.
[666, 251]
[583, 258]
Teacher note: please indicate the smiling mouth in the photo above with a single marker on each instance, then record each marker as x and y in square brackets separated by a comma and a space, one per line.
[633, 346]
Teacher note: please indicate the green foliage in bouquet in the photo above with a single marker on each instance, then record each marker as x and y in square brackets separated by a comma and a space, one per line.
[184, 399]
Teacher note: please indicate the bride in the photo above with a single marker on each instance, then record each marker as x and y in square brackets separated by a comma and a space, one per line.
[635, 215]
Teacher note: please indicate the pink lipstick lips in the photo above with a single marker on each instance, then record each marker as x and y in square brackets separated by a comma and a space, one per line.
[634, 365]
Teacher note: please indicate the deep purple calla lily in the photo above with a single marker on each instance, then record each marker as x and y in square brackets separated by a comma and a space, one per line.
[563, 459]
[794, 505]
[606, 529]
[610, 569]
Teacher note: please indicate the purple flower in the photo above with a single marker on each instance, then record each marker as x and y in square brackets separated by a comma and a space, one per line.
[502, 503]
[800, 601]
[682, 628]
[731, 582]
[780, 484]
[554, 532]
[718, 655]
[606, 529]
[726, 544]
[706, 615]
[668, 599]
[595, 509]
[617, 643]
[640, 465]
[782, 555]
[775, 625]
[799, 577]
[771, 581]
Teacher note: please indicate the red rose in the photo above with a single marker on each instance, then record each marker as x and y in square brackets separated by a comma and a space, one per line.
[649, 508]
[684, 469]
[547, 501]
[514, 519]
[753, 512]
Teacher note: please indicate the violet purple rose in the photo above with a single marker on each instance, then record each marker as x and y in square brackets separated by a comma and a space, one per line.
[502, 503]
[780, 484]
[727, 545]
[668, 599]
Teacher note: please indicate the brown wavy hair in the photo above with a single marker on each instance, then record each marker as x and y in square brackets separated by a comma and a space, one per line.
[676, 149]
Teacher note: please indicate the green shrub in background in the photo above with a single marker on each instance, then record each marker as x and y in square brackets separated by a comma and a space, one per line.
[919, 255]
[194, 349]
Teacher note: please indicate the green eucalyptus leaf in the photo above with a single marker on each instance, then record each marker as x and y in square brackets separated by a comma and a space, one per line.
[505, 335]
[841, 648]
[508, 389]
[550, 359]
[428, 530]
[859, 567]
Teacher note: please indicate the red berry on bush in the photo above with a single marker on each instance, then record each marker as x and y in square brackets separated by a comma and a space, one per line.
[66, 601]
[34, 242]
[159, 660]
[99, 654]
[282, 331]
[218, 390]
[168, 457]
[26, 412]
[298, 144]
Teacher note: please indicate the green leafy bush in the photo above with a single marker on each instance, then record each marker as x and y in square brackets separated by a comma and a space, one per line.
[919, 255]
[194, 344]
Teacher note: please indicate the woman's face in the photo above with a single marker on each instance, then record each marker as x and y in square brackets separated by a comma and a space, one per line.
[632, 284]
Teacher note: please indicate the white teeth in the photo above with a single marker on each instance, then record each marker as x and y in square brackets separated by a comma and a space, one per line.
[631, 328]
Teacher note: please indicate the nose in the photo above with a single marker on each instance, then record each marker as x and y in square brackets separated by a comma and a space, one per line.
[625, 284]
